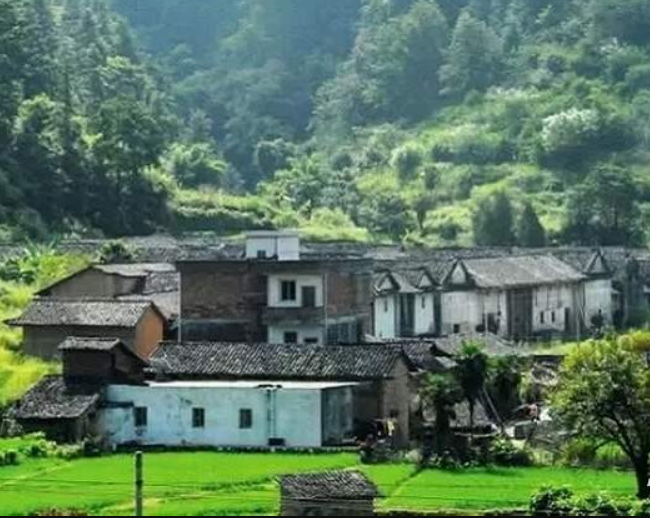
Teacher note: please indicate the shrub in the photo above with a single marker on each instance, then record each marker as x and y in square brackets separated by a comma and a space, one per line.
[551, 501]
[406, 160]
[503, 452]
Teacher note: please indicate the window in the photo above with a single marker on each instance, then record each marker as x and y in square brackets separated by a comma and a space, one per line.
[290, 337]
[245, 419]
[311, 341]
[385, 305]
[553, 317]
[424, 302]
[198, 418]
[261, 254]
[456, 329]
[542, 317]
[288, 291]
[140, 417]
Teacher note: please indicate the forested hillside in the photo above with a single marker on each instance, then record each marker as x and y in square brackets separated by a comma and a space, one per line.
[492, 122]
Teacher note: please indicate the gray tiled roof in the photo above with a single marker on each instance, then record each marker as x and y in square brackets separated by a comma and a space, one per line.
[338, 485]
[135, 269]
[84, 313]
[51, 398]
[89, 344]
[513, 271]
[265, 361]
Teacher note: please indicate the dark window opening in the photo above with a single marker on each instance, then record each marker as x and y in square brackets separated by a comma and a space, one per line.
[542, 317]
[308, 297]
[261, 254]
[456, 329]
[311, 341]
[140, 415]
[288, 291]
[198, 418]
[290, 337]
[245, 419]
[553, 317]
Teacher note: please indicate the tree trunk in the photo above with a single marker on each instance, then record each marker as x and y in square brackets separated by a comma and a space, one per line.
[642, 478]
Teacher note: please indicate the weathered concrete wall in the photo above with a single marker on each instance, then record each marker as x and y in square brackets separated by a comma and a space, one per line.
[293, 415]
[302, 281]
[385, 318]
[599, 298]
[425, 322]
[305, 334]
[338, 412]
[396, 402]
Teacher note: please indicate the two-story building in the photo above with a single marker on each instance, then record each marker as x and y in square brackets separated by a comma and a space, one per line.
[272, 290]
[405, 304]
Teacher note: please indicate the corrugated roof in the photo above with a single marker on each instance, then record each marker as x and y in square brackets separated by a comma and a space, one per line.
[265, 361]
[338, 485]
[85, 313]
[51, 398]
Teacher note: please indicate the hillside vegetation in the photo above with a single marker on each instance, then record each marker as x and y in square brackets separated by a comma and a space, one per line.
[424, 121]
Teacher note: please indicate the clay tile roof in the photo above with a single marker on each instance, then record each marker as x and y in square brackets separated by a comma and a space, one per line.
[338, 485]
[85, 313]
[513, 271]
[265, 361]
[51, 398]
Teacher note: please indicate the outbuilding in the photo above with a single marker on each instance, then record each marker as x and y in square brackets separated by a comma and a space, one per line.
[336, 493]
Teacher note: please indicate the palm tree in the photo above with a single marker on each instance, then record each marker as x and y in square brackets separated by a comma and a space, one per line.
[441, 393]
[472, 373]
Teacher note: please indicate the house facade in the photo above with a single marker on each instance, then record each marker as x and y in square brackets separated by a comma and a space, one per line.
[405, 304]
[522, 297]
[383, 390]
[232, 413]
[271, 291]
[47, 322]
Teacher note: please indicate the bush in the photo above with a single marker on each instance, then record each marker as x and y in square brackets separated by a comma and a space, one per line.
[553, 501]
[503, 452]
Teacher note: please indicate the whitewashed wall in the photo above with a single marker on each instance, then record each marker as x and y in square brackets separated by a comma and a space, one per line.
[599, 297]
[286, 247]
[386, 316]
[297, 416]
[424, 314]
[553, 301]
[276, 333]
[275, 289]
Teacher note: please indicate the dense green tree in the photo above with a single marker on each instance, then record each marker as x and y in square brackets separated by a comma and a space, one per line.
[441, 393]
[627, 21]
[530, 231]
[494, 222]
[603, 393]
[474, 58]
[604, 209]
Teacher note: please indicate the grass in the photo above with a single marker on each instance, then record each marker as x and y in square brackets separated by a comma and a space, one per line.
[206, 483]
[482, 489]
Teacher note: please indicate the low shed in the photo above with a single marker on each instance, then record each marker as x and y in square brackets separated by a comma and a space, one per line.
[336, 493]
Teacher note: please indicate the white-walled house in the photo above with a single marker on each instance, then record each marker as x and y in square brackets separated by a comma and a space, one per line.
[404, 304]
[521, 297]
[230, 413]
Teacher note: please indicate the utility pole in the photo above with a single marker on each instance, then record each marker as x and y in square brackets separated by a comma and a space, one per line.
[139, 484]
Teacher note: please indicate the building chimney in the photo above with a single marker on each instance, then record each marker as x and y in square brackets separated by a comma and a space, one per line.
[273, 246]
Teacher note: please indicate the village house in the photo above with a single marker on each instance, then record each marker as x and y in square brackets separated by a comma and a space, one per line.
[339, 493]
[103, 395]
[523, 297]
[242, 414]
[66, 407]
[384, 390]
[157, 282]
[272, 290]
[48, 322]
[405, 304]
